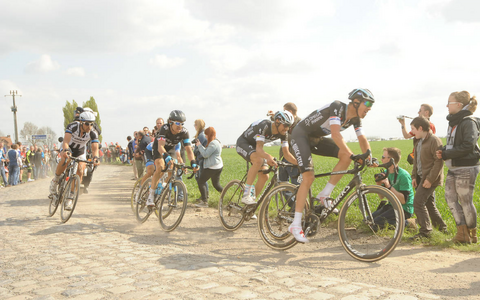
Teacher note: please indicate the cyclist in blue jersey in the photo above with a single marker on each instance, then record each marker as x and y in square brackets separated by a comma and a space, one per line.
[309, 137]
[164, 144]
[250, 147]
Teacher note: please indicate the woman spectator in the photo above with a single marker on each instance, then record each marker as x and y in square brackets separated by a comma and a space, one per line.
[461, 155]
[212, 165]
[199, 125]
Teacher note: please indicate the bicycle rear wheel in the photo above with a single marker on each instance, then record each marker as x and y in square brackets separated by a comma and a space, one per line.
[172, 207]
[72, 189]
[55, 200]
[142, 211]
[276, 214]
[230, 205]
[362, 238]
[135, 189]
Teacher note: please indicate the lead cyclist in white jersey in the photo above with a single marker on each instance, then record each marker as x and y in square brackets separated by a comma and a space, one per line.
[77, 135]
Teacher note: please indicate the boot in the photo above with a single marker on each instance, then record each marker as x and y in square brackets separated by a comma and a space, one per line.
[462, 236]
[473, 234]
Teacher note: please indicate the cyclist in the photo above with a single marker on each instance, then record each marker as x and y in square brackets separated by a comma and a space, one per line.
[309, 137]
[250, 147]
[168, 136]
[77, 135]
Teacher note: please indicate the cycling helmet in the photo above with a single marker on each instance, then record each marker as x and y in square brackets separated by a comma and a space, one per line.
[177, 115]
[90, 110]
[77, 112]
[87, 117]
[285, 117]
[361, 94]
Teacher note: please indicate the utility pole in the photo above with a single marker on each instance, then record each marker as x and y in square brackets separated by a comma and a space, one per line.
[14, 110]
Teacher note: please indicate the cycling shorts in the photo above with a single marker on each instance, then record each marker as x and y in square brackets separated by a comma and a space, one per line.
[244, 149]
[303, 146]
[82, 154]
[171, 152]
[148, 155]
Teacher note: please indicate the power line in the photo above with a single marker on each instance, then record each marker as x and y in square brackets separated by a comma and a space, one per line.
[14, 110]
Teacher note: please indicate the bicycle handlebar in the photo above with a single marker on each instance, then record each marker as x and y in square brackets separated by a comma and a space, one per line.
[180, 166]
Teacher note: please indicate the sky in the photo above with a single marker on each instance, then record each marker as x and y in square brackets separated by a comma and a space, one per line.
[229, 62]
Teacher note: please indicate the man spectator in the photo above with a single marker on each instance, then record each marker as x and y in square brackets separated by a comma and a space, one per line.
[427, 174]
[3, 160]
[13, 166]
[30, 160]
[143, 141]
[425, 111]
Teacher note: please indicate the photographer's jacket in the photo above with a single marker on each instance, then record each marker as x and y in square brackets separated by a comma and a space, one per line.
[432, 167]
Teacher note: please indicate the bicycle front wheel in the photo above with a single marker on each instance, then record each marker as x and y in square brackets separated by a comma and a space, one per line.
[142, 211]
[172, 207]
[276, 214]
[136, 188]
[230, 205]
[368, 238]
[69, 198]
[55, 200]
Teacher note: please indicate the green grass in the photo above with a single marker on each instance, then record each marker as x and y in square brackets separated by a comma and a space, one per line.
[235, 168]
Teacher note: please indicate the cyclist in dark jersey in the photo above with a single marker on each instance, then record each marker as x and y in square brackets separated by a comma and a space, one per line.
[167, 137]
[250, 147]
[309, 137]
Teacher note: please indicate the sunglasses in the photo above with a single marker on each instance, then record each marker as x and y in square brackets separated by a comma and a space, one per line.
[178, 123]
[368, 103]
[88, 123]
[383, 157]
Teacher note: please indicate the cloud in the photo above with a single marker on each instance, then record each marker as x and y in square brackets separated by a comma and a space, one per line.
[259, 65]
[42, 65]
[462, 11]
[78, 71]
[165, 62]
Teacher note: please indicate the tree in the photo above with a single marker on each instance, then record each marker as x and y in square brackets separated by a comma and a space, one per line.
[51, 136]
[28, 130]
[93, 105]
[68, 112]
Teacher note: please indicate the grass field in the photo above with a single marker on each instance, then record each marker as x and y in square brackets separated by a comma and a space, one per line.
[235, 168]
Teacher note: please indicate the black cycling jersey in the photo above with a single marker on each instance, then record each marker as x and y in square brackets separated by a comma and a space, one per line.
[78, 142]
[165, 134]
[318, 123]
[261, 131]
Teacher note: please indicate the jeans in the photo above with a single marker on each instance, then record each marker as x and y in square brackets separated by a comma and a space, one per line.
[425, 209]
[4, 176]
[386, 215]
[207, 174]
[13, 173]
[459, 189]
[285, 173]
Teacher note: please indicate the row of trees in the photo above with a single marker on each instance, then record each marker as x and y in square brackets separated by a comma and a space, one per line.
[30, 128]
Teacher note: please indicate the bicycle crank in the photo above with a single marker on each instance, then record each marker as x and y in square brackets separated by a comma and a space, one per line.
[312, 225]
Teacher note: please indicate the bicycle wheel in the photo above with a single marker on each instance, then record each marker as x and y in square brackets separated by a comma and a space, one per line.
[72, 189]
[360, 237]
[142, 211]
[230, 205]
[135, 189]
[276, 214]
[173, 203]
[55, 201]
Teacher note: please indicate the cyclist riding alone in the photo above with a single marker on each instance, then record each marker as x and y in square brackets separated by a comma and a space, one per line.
[309, 137]
[250, 147]
[77, 135]
[167, 137]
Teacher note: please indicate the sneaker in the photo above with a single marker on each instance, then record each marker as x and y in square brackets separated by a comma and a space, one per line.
[248, 200]
[298, 234]
[202, 204]
[254, 217]
[30, 180]
[53, 187]
[419, 236]
[150, 199]
[327, 202]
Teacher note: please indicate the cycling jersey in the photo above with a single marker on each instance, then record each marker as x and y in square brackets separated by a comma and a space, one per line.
[148, 155]
[79, 141]
[318, 123]
[171, 140]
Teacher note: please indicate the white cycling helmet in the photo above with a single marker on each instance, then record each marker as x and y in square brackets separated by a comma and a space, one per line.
[90, 110]
[87, 116]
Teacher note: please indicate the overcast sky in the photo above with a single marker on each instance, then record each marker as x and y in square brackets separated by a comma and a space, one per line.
[229, 62]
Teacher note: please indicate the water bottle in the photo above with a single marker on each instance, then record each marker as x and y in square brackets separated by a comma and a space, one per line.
[159, 188]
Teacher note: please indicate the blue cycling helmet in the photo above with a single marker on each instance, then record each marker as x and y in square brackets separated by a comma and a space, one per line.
[361, 94]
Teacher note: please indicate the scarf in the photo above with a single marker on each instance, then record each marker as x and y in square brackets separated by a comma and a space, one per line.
[455, 119]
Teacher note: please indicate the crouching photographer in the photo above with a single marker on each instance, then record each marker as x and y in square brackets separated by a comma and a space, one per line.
[399, 182]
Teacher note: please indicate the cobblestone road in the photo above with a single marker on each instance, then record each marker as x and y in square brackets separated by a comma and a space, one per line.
[102, 253]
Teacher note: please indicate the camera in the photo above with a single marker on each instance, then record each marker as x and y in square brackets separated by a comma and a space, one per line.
[401, 117]
[380, 176]
[194, 141]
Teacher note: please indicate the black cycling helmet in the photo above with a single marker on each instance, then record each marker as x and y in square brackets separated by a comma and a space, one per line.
[77, 112]
[177, 115]
[361, 94]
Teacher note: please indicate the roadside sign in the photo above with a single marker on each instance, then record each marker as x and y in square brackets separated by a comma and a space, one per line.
[39, 137]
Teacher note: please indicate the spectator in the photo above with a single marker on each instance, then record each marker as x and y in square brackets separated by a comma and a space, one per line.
[30, 161]
[199, 125]
[399, 182]
[425, 111]
[213, 164]
[461, 155]
[13, 166]
[38, 162]
[427, 174]
[143, 141]
[3, 161]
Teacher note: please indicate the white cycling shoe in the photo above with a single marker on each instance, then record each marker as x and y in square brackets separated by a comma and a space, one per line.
[150, 199]
[248, 200]
[327, 203]
[298, 234]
